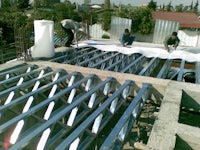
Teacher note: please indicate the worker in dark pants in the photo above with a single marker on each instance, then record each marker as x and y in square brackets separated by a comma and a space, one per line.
[70, 36]
[68, 25]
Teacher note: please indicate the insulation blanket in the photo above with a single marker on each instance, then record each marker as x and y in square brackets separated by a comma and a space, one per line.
[149, 52]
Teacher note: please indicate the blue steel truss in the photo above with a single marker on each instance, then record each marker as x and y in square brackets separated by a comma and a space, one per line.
[118, 62]
[51, 109]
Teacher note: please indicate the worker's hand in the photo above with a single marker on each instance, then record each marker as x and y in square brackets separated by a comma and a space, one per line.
[125, 44]
[174, 47]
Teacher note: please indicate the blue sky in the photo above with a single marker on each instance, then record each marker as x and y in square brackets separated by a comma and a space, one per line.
[139, 2]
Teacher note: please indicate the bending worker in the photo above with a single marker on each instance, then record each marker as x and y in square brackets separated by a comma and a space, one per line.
[127, 38]
[171, 40]
[68, 25]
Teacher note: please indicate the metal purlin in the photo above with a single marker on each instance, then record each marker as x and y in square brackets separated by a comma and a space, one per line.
[10, 72]
[63, 112]
[47, 75]
[29, 102]
[97, 120]
[114, 61]
[181, 71]
[72, 53]
[164, 70]
[148, 69]
[197, 72]
[19, 82]
[134, 66]
[119, 133]
[27, 76]
[81, 57]
[74, 99]
[35, 93]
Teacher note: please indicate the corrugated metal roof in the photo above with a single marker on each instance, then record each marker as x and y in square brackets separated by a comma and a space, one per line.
[186, 19]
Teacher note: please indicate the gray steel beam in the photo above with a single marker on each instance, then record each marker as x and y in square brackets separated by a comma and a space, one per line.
[181, 71]
[197, 72]
[119, 133]
[11, 72]
[94, 59]
[46, 125]
[40, 90]
[105, 61]
[148, 69]
[26, 77]
[80, 58]
[98, 118]
[135, 66]
[127, 59]
[30, 83]
[71, 54]
[164, 70]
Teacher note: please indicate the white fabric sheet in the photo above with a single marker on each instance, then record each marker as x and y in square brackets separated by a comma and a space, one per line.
[149, 52]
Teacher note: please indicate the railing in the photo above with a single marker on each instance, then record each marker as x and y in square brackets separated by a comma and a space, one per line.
[7, 52]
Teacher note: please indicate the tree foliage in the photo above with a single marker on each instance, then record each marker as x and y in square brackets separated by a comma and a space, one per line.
[107, 4]
[179, 8]
[152, 5]
[169, 6]
[22, 4]
[5, 4]
[106, 20]
[142, 21]
[106, 16]
[195, 8]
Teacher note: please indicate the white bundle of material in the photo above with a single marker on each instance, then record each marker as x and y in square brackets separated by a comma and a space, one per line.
[44, 43]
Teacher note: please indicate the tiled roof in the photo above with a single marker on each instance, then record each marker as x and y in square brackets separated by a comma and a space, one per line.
[186, 19]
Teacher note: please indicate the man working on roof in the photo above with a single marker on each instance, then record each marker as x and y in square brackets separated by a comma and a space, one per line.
[68, 25]
[171, 40]
[127, 38]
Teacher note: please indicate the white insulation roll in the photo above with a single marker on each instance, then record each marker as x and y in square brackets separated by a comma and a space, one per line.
[44, 43]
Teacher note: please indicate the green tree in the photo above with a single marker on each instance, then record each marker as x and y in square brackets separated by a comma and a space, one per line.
[5, 4]
[163, 7]
[169, 6]
[186, 8]
[142, 21]
[107, 4]
[106, 16]
[195, 9]
[106, 20]
[152, 5]
[22, 4]
[191, 6]
[179, 8]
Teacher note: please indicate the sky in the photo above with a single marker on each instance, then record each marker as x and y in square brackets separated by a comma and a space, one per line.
[139, 2]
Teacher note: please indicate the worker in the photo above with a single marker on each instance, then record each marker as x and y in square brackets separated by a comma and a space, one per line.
[70, 27]
[171, 40]
[127, 38]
